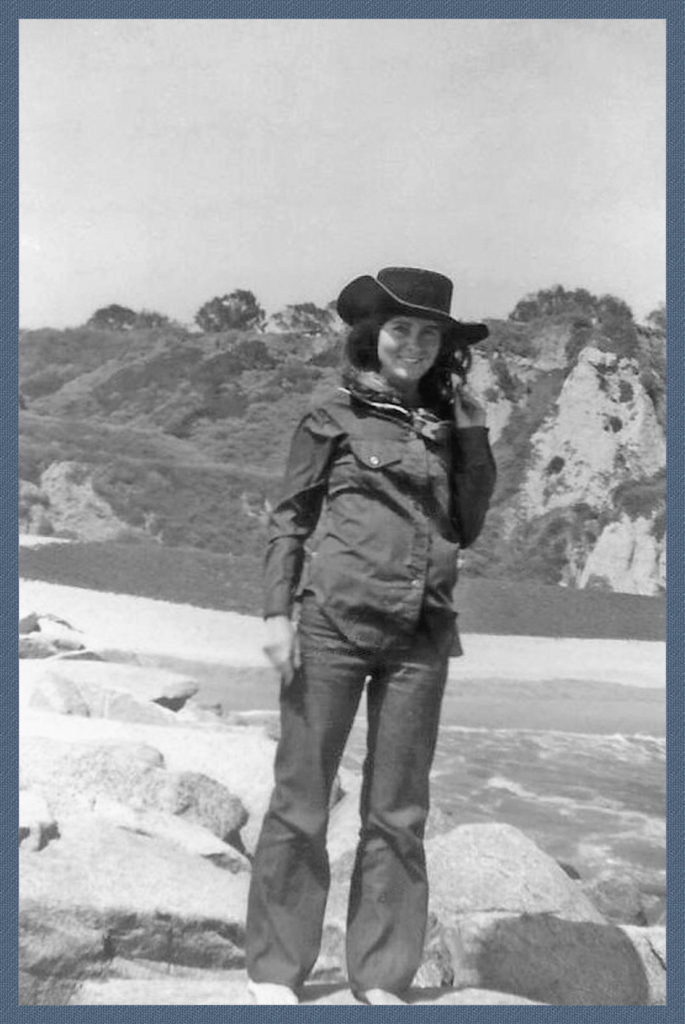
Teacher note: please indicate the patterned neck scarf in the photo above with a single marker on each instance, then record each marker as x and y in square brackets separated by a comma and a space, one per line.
[374, 390]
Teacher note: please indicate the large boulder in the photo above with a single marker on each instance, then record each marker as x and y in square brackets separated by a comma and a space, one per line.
[194, 838]
[100, 891]
[37, 822]
[75, 775]
[42, 635]
[494, 868]
[626, 898]
[512, 920]
[105, 689]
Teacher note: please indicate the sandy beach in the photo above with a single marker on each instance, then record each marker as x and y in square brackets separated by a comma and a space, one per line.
[579, 685]
[153, 627]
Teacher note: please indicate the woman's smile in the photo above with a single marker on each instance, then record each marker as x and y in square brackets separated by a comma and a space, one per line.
[407, 348]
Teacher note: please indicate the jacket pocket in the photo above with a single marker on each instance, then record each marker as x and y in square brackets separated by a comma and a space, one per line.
[377, 454]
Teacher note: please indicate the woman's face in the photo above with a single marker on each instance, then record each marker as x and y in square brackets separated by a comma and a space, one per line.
[407, 348]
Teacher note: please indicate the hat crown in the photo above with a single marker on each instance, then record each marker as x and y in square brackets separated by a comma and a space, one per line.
[418, 287]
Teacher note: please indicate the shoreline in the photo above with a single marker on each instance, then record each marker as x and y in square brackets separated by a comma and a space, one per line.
[153, 628]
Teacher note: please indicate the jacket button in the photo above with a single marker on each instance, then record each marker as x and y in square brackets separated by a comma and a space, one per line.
[374, 460]
[416, 583]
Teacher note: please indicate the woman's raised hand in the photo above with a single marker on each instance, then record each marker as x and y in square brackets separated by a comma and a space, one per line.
[282, 646]
[469, 411]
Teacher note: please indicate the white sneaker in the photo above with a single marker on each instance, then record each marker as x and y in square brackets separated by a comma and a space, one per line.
[267, 994]
[379, 997]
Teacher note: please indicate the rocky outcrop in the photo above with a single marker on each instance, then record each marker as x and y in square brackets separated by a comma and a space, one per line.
[73, 507]
[107, 690]
[582, 452]
[629, 556]
[604, 431]
[504, 916]
[101, 890]
[512, 920]
[229, 988]
[135, 838]
[45, 635]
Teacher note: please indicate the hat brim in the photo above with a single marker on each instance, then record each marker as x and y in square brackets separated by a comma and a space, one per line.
[366, 297]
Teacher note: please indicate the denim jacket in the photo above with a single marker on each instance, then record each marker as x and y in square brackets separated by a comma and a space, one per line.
[392, 498]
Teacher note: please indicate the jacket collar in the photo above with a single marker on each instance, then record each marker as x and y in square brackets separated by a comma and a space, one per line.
[387, 403]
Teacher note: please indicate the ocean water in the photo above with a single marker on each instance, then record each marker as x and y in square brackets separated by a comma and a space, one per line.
[595, 802]
[579, 767]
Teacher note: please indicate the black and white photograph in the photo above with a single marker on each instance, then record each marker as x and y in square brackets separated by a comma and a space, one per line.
[342, 512]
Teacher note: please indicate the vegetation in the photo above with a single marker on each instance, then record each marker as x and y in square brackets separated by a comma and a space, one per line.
[120, 318]
[233, 583]
[185, 433]
[613, 318]
[305, 318]
[237, 311]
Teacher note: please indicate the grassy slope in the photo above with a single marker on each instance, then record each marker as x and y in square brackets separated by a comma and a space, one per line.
[232, 583]
[190, 433]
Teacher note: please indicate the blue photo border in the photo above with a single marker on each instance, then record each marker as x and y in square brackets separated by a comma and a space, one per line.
[14, 10]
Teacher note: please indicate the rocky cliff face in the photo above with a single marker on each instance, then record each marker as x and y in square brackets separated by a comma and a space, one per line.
[190, 434]
[601, 434]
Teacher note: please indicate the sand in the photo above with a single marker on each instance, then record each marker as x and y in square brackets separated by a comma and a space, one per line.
[161, 629]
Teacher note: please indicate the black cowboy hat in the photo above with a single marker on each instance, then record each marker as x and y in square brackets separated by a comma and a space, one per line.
[411, 292]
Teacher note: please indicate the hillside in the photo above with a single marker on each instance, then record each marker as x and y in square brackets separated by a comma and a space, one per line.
[159, 437]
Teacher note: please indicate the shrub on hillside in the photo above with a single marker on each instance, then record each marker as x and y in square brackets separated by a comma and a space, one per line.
[305, 318]
[656, 320]
[113, 318]
[552, 301]
[237, 310]
[605, 321]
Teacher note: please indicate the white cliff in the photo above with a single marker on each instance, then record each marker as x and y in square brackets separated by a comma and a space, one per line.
[603, 432]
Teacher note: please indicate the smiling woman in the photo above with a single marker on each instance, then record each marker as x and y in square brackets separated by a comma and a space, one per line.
[407, 348]
[399, 456]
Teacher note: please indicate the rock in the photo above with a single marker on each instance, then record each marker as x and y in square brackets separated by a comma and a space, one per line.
[92, 687]
[84, 654]
[650, 946]
[75, 507]
[60, 633]
[548, 959]
[622, 900]
[196, 712]
[169, 689]
[198, 798]
[193, 838]
[240, 758]
[57, 693]
[230, 989]
[513, 921]
[75, 775]
[495, 868]
[37, 824]
[102, 891]
[628, 557]
[28, 623]
[268, 720]
[36, 646]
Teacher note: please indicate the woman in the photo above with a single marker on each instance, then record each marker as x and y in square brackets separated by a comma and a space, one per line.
[396, 470]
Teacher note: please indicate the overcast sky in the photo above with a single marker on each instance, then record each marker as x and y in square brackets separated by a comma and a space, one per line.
[165, 162]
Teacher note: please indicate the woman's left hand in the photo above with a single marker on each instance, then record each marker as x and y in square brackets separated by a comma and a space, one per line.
[469, 411]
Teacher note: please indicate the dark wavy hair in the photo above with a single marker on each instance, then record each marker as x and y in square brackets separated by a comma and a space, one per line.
[435, 387]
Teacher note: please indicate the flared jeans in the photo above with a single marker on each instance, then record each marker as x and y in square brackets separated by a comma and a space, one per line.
[388, 899]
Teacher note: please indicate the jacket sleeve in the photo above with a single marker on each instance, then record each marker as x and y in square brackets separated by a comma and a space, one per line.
[296, 515]
[473, 481]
